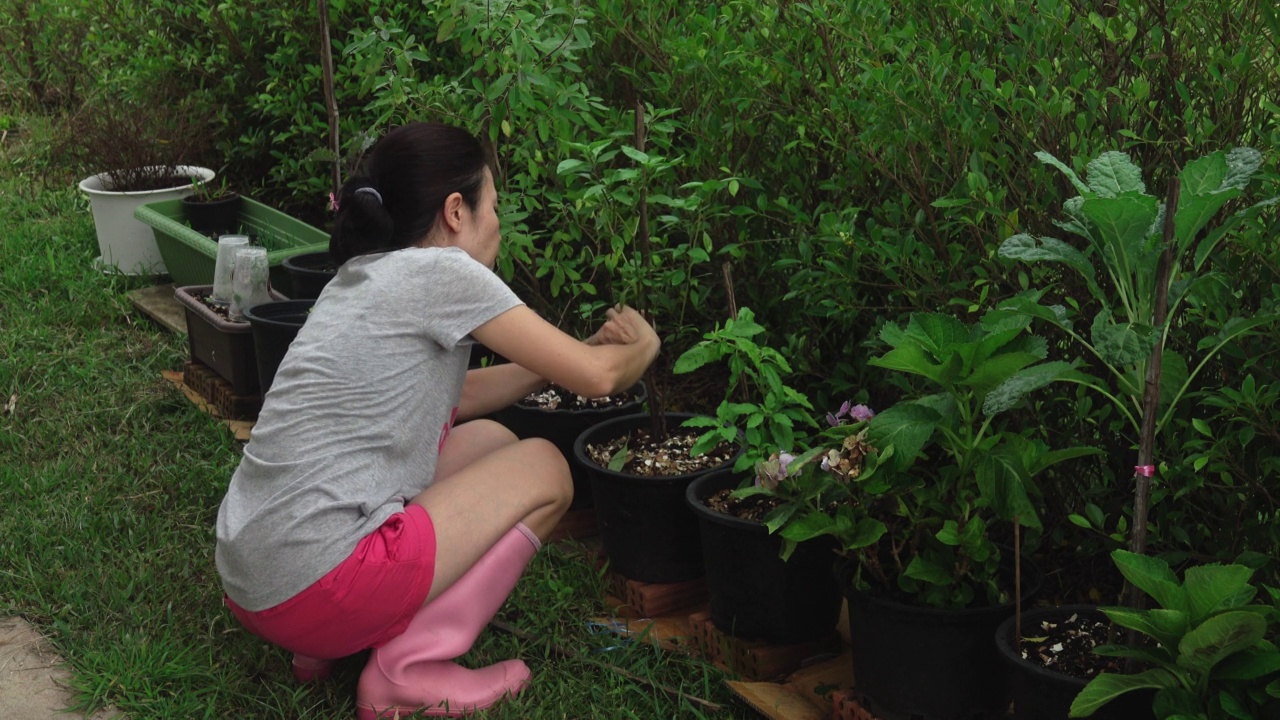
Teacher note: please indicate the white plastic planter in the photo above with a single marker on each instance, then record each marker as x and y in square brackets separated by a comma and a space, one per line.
[127, 245]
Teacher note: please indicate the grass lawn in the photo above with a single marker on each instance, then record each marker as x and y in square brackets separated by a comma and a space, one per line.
[110, 482]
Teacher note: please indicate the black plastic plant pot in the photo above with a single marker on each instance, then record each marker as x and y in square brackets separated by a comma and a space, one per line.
[756, 595]
[1042, 694]
[213, 216]
[562, 428]
[309, 273]
[647, 530]
[222, 345]
[924, 663]
[275, 325]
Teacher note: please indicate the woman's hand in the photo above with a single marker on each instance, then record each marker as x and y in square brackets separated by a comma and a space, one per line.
[623, 326]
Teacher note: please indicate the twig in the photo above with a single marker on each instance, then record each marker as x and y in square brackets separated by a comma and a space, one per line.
[575, 655]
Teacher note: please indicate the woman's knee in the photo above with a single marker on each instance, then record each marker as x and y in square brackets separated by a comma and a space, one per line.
[495, 433]
[552, 467]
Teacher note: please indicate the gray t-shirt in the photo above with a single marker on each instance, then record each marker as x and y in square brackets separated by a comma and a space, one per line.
[355, 417]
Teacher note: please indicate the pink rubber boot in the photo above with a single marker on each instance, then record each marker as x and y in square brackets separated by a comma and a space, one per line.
[415, 672]
[309, 669]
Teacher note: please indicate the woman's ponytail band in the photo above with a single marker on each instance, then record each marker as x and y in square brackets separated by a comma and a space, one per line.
[369, 191]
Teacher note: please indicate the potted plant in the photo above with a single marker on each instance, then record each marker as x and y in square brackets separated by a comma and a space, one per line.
[213, 207]
[639, 466]
[560, 416]
[309, 273]
[1209, 649]
[274, 325]
[1154, 256]
[191, 256]
[926, 579]
[760, 587]
[216, 341]
[144, 152]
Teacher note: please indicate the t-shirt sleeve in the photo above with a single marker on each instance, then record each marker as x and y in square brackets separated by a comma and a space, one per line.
[467, 294]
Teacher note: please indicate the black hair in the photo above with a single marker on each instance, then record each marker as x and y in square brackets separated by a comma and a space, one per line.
[412, 170]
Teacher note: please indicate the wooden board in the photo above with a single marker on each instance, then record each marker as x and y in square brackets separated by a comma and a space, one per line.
[159, 304]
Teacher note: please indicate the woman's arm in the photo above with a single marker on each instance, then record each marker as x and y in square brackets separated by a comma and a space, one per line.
[627, 346]
[492, 388]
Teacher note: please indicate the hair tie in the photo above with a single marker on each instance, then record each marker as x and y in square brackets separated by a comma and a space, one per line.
[369, 191]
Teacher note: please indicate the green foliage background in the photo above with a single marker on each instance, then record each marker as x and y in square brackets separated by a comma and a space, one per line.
[842, 163]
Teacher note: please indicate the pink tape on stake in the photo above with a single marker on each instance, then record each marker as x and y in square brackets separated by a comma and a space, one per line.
[1144, 470]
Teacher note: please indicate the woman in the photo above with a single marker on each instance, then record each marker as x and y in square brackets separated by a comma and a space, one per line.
[370, 510]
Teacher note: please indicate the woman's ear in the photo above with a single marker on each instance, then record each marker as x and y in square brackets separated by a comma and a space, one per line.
[452, 212]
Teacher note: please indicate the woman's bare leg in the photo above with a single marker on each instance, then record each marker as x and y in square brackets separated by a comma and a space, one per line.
[487, 480]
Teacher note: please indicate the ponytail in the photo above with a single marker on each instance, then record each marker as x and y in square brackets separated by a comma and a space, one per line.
[407, 176]
[362, 225]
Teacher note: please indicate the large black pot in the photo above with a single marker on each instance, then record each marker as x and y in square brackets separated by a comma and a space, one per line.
[1041, 694]
[562, 428]
[309, 273]
[754, 593]
[646, 527]
[213, 217]
[923, 663]
[275, 325]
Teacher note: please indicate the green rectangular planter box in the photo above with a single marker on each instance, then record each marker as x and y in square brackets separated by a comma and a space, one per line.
[190, 256]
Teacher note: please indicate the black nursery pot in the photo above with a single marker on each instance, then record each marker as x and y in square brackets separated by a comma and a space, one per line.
[924, 663]
[214, 216]
[562, 428]
[1042, 694]
[647, 529]
[275, 325]
[754, 593]
[309, 273]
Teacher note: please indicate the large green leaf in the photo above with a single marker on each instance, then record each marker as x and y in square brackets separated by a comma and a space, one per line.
[1194, 212]
[998, 369]
[1054, 314]
[929, 572]
[1048, 159]
[906, 427]
[937, 333]
[1122, 344]
[1218, 638]
[1204, 175]
[913, 358]
[1213, 587]
[1046, 249]
[1153, 577]
[1166, 626]
[1124, 226]
[1112, 174]
[1002, 482]
[1242, 163]
[1108, 686]
[1008, 393]
[1249, 664]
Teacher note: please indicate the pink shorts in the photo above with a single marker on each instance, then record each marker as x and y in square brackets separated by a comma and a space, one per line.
[364, 602]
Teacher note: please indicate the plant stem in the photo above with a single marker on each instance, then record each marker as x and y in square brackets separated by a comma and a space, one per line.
[330, 97]
[657, 402]
[1151, 392]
